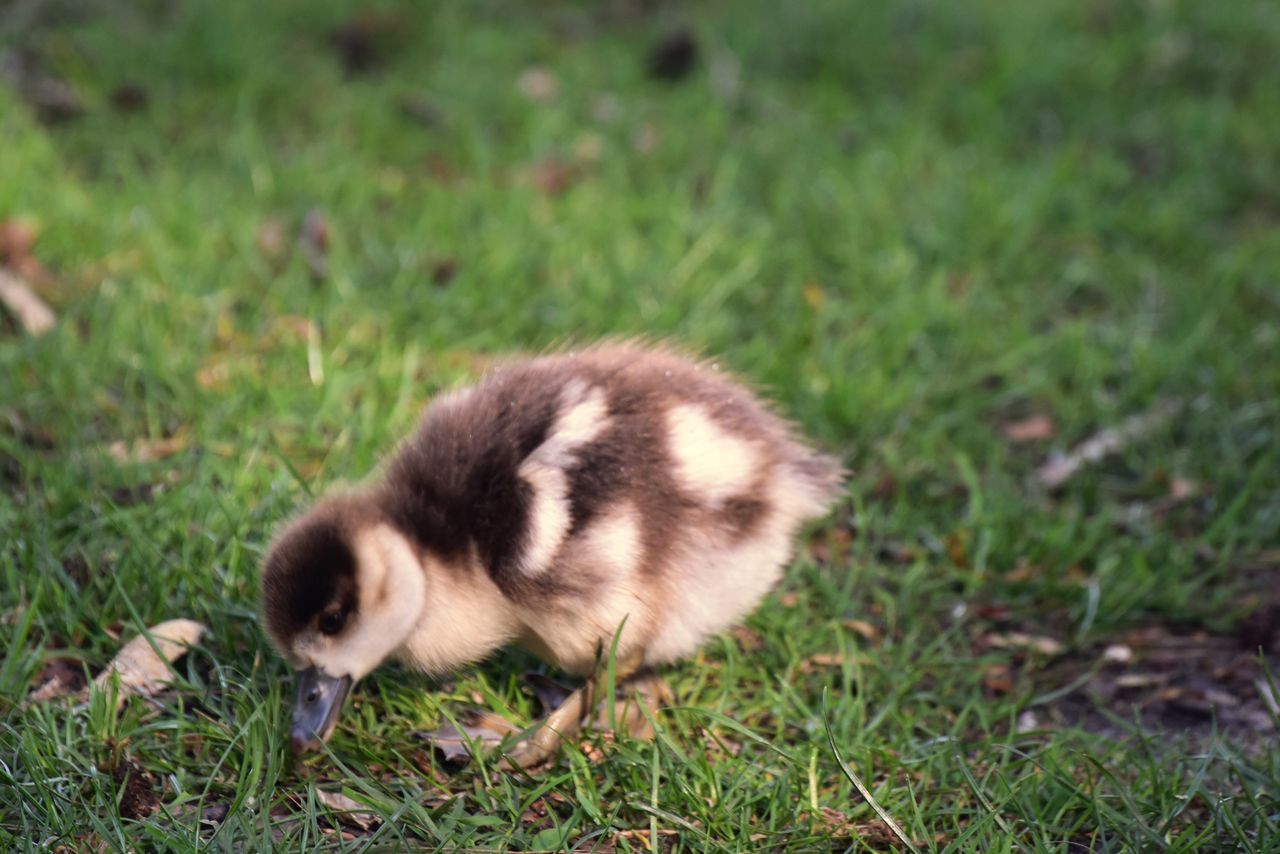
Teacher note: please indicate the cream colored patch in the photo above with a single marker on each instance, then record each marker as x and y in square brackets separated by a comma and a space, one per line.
[615, 542]
[392, 593]
[710, 462]
[465, 619]
[605, 560]
[583, 416]
[712, 583]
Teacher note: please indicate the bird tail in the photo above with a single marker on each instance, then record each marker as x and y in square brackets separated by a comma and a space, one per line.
[821, 480]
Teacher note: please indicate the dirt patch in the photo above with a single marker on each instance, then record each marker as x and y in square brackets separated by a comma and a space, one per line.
[139, 790]
[1167, 682]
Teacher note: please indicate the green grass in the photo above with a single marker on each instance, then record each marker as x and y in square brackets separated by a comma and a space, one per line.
[913, 221]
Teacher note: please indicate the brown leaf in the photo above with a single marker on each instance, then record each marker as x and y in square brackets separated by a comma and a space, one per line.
[1181, 488]
[129, 97]
[58, 677]
[273, 240]
[314, 242]
[1140, 680]
[538, 83]
[349, 811]
[997, 679]
[1037, 428]
[885, 489]
[17, 239]
[144, 669]
[748, 638]
[441, 170]
[863, 628]
[214, 375]
[1020, 640]
[553, 177]
[148, 450]
[1118, 653]
[486, 729]
[821, 660]
[31, 312]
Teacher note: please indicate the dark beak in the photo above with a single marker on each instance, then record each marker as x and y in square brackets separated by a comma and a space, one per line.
[315, 713]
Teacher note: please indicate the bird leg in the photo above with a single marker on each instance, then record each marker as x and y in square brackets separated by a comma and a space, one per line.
[567, 720]
[643, 691]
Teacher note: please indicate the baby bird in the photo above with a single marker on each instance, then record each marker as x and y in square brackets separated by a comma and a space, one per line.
[623, 490]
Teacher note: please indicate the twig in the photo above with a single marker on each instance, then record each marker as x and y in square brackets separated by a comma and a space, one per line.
[1061, 467]
[32, 313]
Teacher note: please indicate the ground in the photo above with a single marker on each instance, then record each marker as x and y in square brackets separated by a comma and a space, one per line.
[951, 240]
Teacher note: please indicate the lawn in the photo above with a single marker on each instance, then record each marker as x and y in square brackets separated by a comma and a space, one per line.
[952, 240]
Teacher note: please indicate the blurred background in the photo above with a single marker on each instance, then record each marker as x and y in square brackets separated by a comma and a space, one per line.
[954, 240]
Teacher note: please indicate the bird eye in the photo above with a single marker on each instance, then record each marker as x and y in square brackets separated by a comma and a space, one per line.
[331, 622]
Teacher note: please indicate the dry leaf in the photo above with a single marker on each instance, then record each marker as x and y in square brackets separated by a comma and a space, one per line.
[349, 811]
[314, 242]
[17, 244]
[1060, 468]
[1020, 640]
[484, 728]
[1034, 429]
[748, 638]
[1117, 653]
[58, 678]
[273, 240]
[820, 660]
[1181, 488]
[538, 84]
[147, 450]
[553, 177]
[30, 311]
[1140, 680]
[863, 628]
[214, 375]
[997, 679]
[144, 669]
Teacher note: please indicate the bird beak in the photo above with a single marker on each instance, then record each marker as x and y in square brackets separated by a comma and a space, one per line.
[315, 713]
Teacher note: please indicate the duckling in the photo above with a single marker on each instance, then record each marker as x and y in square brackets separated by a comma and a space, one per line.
[622, 494]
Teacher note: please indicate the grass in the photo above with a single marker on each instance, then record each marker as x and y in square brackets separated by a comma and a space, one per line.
[914, 222]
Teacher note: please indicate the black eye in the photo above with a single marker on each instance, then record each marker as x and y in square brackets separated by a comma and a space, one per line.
[331, 622]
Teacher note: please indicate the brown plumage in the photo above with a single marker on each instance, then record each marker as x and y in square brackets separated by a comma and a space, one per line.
[557, 497]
